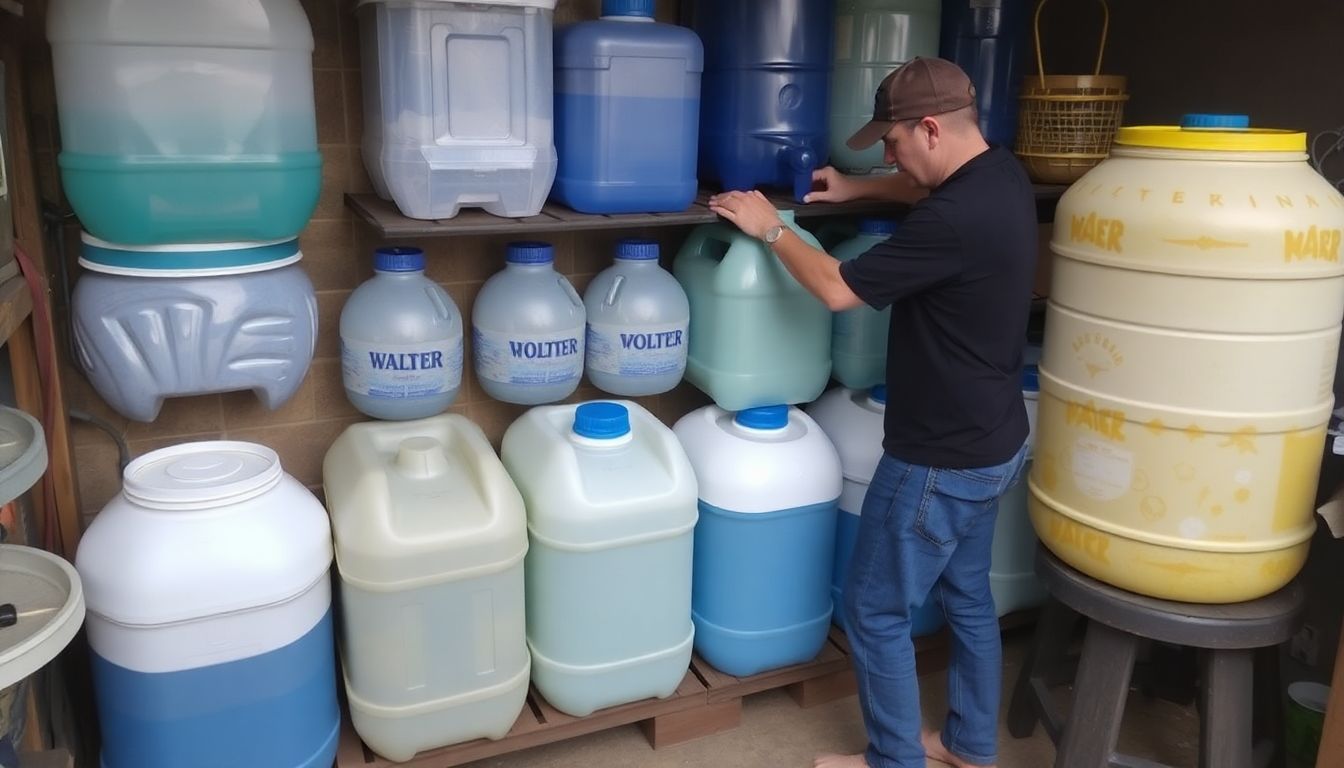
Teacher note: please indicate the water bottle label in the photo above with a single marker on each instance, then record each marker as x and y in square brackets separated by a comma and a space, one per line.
[401, 371]
[641, 350]
[528, 359]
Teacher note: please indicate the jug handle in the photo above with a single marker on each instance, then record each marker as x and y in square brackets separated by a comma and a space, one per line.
[801, 161]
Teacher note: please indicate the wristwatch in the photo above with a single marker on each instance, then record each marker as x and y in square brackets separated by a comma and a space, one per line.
[773, 234]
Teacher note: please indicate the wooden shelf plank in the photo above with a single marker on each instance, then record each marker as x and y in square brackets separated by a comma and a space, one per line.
[16, 304]
[384, 217]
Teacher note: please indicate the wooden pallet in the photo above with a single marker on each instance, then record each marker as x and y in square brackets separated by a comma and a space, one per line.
[707, 702]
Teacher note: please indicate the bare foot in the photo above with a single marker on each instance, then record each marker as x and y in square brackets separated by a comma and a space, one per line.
[840, 761]
[933, 747]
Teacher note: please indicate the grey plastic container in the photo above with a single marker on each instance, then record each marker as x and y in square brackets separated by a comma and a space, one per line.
[638, 318]
[143, 339]
[401, 341]
[527, 330]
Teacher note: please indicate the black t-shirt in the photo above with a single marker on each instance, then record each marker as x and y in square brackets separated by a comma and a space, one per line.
[957, 275]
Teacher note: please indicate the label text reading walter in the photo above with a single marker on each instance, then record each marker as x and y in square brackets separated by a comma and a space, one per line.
[1103, 233]
[405, 361]
[1313, 244]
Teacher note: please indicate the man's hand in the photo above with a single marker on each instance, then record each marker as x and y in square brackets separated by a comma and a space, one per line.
[750, 211]
[831, 186]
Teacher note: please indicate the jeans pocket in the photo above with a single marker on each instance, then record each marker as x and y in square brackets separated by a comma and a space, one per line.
[953, 500]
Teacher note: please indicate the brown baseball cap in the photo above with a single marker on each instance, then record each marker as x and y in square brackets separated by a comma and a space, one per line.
[918, 88]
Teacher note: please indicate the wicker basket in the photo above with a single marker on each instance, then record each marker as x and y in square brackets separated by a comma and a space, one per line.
[1066, 123]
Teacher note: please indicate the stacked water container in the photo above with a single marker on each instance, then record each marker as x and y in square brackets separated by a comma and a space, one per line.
[458, 104]
[209, 614]
[986, 38]
[611, 511]
[757, 336]
[859, 335]
[765, 540]
[1012, 572]
[853, 420]
[430, 536]
[766, 91]
[627, 112]
[189, 153]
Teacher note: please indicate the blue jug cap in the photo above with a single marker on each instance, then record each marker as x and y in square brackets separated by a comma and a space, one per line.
[1216, 122]
[879, 394]
[627, 8]
[398, 259]
[877, 226]
[1031, 378]
[766, 417]
[637, 250]
[529, 252]
[601, 421]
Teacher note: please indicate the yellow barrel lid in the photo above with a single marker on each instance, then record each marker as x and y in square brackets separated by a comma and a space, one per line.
[1225, 133]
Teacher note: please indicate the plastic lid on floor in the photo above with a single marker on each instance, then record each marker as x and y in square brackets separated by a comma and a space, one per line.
[23, 453]
[47, 610]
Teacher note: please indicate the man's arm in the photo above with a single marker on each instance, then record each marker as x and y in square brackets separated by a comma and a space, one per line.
[836, 187]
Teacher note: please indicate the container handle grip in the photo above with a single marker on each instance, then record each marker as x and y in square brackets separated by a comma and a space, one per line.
[1101, 45]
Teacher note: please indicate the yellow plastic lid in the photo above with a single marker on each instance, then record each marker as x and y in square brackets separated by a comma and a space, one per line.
[1194, 135]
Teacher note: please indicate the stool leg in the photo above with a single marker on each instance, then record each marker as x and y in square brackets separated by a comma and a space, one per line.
[1267, 712]
[1048, 646]
[1099, 694]
[1225, 717]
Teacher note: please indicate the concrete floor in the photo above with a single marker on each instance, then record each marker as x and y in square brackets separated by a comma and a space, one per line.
[776, 733]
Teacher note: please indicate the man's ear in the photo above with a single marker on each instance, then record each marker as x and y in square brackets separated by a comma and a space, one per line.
[933, 131]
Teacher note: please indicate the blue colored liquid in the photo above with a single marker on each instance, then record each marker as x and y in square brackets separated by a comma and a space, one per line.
[622, 154]
[275, 710]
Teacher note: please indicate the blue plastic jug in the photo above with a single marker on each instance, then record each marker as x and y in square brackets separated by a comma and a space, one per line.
[985, 37]
[627, 112]
[766, 91]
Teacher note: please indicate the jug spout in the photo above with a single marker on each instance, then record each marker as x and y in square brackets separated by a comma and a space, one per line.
[801, 161]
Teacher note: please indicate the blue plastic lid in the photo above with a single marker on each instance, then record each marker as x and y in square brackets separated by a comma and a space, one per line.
[879, 394]
[877, 226]
[1031, 378]
[637, 250]
[601, 421]
[766, 417]
[529, 252]
[627, 8]
[399, 259]
[1215, 122]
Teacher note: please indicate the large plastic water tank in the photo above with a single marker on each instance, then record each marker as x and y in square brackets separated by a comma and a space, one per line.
[1012, 567]
[873, 38]
[766, 91]
[458, 104]
[186, 122]
[141, 339]
[401, 340]
[209, 614]
[638, 318]
[528, 329]
[430, 536]
[625, 84]
[859, 335]
[611, 512]
[853, 420]
[765, 542]
[757, 337]
[988, 39]
[1190, 347]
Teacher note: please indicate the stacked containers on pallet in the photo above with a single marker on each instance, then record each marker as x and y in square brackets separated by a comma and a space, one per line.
[430, 537]
[611, 513]
[627, 112]
[209, 613]
[765, 542]
[458, 104]
[766, 91]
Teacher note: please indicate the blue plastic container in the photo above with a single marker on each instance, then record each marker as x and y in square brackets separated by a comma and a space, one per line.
[627, 112]
[766, 93]
[765, 540]
[987, 38]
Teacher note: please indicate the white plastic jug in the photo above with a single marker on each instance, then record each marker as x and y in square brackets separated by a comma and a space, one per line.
[611, 511]
[430, 538]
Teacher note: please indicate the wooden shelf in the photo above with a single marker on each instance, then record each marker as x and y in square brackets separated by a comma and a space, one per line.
[16, 304]
[384, 217]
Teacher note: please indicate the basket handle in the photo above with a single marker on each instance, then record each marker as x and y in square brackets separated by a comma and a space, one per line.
[1101, 47]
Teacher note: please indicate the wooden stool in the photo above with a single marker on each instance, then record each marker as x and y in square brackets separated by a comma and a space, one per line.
[1229, 637]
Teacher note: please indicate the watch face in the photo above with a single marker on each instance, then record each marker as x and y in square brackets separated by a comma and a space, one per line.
[773, 234]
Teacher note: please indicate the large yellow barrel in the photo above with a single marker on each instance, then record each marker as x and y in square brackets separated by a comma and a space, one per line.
[1190, 347]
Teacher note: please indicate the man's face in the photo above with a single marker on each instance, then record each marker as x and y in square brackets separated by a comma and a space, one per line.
[905, 148]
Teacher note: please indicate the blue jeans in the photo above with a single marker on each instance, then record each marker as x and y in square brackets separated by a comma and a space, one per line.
[927, 530]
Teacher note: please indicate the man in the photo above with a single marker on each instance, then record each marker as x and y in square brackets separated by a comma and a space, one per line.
[957, 275]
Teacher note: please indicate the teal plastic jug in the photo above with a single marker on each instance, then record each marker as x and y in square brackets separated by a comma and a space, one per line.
[859, 335]
[757, 337]
[872, 38]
